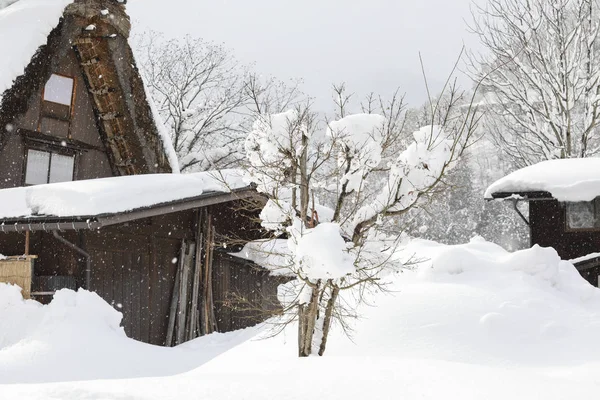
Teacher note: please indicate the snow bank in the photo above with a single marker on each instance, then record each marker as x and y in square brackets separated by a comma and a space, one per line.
[572, 179]
[478, 303]
[113, 195]
[78, 336]
[471, 322]
[27, 23]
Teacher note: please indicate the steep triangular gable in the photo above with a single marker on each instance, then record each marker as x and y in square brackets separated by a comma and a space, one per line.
[97, 30]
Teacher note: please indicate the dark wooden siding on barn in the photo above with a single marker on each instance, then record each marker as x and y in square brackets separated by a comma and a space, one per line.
[136, 277]
[548, 229]
[548, 226]
[244, 294]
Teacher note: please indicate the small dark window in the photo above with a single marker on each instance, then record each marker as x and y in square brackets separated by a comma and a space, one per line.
[583, 215]
[47, 167]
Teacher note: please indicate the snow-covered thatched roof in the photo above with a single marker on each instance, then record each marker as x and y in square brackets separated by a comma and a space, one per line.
[24, 27]
[109, 196]
[573, 179]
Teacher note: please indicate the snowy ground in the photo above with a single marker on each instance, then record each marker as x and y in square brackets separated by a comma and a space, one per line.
[475, 322]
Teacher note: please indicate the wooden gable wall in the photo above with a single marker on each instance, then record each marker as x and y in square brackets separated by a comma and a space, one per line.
[26, 130]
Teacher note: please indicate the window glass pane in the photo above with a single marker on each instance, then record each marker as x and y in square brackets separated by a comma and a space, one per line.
[61, 169]
[37, 167]
[59, 89]
[581, 215]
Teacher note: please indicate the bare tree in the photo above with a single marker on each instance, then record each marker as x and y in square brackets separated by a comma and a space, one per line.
[540, 76]
[268, 95]
[200, 92]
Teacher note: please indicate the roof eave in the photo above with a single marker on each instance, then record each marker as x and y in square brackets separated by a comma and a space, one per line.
[521, 196]
[52, 223]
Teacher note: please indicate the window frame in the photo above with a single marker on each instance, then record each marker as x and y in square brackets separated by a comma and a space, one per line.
[596, 206]
[51, 150]
[73, 90]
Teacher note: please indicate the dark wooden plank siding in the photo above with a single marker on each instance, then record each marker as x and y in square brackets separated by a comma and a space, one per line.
[548, 229]
[244, 294]
[132, 269]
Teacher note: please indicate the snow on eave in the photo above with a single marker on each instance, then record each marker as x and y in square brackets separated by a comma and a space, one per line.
[566, 180]
[27, 23]
[109, 196]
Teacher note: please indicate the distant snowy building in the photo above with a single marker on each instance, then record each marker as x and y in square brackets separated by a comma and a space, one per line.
[564, 208]
[87, 197]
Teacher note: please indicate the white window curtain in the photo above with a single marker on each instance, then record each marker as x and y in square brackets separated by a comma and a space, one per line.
[61, 169]
[38, 163]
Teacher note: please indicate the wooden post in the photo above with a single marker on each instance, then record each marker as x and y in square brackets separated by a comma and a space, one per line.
[184, 290]
[193, 327]
[27, 235]
[175, 299]
[209, 324]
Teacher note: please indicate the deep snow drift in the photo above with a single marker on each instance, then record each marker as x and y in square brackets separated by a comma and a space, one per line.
[470, 322]
[78, 336]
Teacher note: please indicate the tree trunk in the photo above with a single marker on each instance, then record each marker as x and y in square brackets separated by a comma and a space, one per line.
[304, 195]
[328, 318]
[307, 320]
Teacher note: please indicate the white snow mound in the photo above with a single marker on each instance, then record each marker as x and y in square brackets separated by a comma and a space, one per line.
[78, 337]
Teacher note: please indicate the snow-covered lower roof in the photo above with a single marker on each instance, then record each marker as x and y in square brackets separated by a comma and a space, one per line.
[24, 27]
[573, 179]
[108, 196]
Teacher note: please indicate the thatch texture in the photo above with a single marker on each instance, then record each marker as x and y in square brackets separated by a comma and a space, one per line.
[18, 271]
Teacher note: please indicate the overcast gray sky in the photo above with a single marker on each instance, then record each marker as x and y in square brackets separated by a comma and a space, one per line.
[371, 45]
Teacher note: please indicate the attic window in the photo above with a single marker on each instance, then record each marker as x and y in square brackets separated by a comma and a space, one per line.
[583, 215]
[46, 167]
[59, 89]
